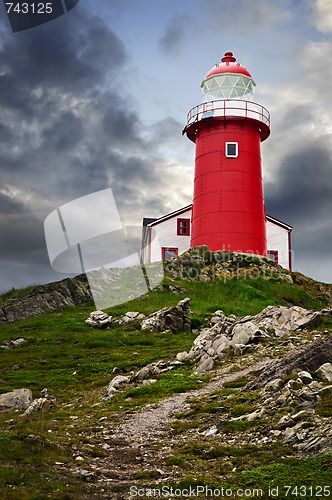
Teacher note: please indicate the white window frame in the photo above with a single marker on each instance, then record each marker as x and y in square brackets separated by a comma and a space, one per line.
[236, 144]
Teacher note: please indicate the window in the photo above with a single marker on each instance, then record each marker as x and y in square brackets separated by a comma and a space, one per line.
[168, 253]
[183, 227]
[273, 255]
[231, 149]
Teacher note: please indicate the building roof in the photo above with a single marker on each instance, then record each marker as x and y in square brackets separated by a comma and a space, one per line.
[148, 221]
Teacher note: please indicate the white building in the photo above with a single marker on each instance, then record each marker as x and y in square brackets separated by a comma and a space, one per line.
[169, 236]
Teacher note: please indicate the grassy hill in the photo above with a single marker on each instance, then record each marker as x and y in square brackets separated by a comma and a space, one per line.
[43, 456]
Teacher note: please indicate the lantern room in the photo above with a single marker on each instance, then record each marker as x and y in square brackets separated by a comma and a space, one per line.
[228, 80]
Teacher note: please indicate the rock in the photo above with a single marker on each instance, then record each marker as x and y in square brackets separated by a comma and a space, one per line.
[324, 373]
[12, 344]
[131, 316]
[307, 394]
[149, 381]
[99, 319]
[209, 343]
[182, 356]
[118, 381]
[142, 374]
[240, 349]
[44, 402]
[310, 357]
[245, 333]
[19, 399]
[154, 369]
[305, 377]
[174, 319]
[3, 319]
[213, 431]
[39, 404]
[206, 366]
[250, 417]
[274, 385]
[325, 392]
[295, 385]
[282, 320]
[310, 437]
[302, 415]
[43, 299]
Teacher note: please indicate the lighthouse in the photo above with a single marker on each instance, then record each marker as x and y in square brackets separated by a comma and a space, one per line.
[228, 211]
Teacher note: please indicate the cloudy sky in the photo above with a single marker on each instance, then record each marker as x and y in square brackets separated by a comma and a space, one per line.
[98, 98]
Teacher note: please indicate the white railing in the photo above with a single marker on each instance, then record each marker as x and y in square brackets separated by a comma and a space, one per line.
[229, 108]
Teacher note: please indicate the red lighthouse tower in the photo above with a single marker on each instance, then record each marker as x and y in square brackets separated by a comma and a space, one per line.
[228, 128]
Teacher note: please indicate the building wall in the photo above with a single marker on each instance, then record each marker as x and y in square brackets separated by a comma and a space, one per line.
[277, 239]
[167, 237]
[166, 232]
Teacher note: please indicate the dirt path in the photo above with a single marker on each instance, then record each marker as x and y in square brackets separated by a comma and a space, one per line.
[149, 423]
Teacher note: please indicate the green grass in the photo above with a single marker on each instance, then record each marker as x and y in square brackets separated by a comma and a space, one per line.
[76, 362]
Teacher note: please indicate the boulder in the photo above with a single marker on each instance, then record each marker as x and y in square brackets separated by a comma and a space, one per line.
[209, 343]
[305, 377]
[131, 316]
[174, 319]
[118, 381]
[324, 373]
[247, 333]
[99, 319]
[206, 366]
[43, 403]
[19, 399]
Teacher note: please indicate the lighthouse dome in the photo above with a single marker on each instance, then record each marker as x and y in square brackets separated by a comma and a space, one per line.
[228, 80]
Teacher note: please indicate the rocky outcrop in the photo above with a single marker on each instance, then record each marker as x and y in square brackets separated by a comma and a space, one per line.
[282, 320]
[200, 264]
[304, 428]
[309, 358]
[244, 334]
[44, 299]
[19, 399]
[174, 319]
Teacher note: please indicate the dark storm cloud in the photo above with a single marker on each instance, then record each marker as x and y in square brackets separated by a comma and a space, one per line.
[303, 191]
[52, 82]
[70, 54]
[302, 197]
[66, 131]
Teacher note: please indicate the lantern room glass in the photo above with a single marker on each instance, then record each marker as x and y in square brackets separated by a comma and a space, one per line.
[228, 86]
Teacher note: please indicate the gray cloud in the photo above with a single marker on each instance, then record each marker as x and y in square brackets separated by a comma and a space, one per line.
[66, 131]
[244, 16]
[175, 31]
[302, 197]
